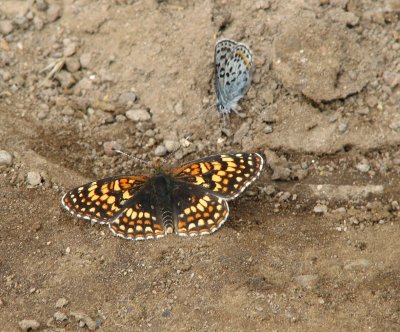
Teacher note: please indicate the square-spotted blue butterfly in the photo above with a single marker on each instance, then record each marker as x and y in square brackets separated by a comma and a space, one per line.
[233, 70]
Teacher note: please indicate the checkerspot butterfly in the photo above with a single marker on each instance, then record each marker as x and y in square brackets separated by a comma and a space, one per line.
[189, 200]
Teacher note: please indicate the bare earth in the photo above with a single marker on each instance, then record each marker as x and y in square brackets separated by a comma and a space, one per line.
[312, 245]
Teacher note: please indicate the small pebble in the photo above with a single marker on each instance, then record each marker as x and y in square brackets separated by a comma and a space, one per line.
[85, 60]
[120, 118]
[320, 208]
[268, 130]
[5, 158]
[138, 115]
[29, 324]
[281, 173]
[38, 23]
[363, 111]
[160, 151]
[6, 27]
[342, 127]
[85, 320]
[391, 78]
[53, 12]
[60, 316]
[70, 49]
[171, 145]
[65, 78]
[42, 5]
[127, 98]
[33, 178]
[179, 107]
[61, 302]
[363, 166]
[72, 64]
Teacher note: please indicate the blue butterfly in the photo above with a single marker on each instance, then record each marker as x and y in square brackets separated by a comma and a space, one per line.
[233, 69]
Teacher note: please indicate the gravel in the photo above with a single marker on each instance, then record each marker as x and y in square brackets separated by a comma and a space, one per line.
[138, 115]
[268, 130]
[127, 98]
[160, 151]
[320, 209]
[363, 167]
[61, 302]
[171, 145]
[391, 78]
[53, 12]
[6, 158]
[65, 78]
[342, 127]
[84, 320]
[29, 325]
[33, 178]
[6, 27]
[85, 60]
[60, 316]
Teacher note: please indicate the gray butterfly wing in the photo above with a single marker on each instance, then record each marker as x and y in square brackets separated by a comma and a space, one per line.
[234, 67]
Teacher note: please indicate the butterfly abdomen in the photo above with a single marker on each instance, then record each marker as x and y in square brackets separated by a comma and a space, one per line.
[162, 193]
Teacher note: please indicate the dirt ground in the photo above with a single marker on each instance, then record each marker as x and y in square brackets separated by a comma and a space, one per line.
[312, 245]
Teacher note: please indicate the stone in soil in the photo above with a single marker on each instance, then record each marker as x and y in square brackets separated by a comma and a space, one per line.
[53, 12]
[61, 302]
[60, 316]
[160, 151]
[138, 115]
[33, 178]
[127, 98]
[320, 208]
[65, 78]
[84, 319]
[363, 167]
[29, 325]
[85, 60]
[5, 158]
[171, 145]
[6, 27]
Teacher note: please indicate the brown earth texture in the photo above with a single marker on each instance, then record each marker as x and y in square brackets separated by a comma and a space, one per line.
[312, 245]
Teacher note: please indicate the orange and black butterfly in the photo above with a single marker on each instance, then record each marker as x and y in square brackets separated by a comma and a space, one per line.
[189, 200]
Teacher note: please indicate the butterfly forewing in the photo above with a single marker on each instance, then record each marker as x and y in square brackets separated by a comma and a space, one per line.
[223, 175]
[102, 200]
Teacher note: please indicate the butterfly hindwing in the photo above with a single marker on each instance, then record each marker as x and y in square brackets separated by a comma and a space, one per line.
[224, 175]
[100, 201]
[140, 219]
[234, 67]
[198, 212]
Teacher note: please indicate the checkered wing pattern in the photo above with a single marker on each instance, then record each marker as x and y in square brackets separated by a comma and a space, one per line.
[233, 70]
[140, 219]
[224, 175]
[198, 212]
[100, 201]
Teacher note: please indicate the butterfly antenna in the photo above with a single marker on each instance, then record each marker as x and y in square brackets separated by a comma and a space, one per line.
[145, 162]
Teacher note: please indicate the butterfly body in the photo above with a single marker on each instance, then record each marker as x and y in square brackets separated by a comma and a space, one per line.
[233, 71]
[190, 200]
